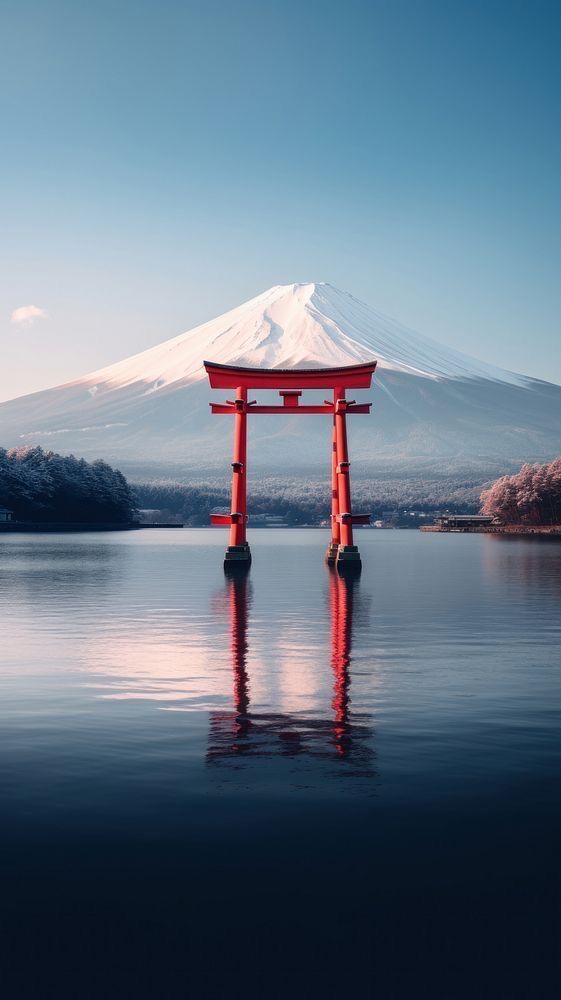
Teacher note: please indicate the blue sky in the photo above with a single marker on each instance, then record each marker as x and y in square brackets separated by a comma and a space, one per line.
[163, 162]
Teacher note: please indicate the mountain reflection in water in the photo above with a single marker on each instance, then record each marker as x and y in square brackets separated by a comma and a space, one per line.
[244, 733]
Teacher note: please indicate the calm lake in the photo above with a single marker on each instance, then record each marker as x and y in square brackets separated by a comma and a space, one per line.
[287, 784]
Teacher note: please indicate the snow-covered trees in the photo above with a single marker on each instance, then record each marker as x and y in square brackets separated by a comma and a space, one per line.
[532, 496]
[306, 501]
[43, 486]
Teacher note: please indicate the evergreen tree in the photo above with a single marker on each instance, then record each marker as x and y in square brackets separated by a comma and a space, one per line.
[44, 486]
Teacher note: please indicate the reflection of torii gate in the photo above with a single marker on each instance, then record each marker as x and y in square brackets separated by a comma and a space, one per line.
[244, 733]
[290, 382]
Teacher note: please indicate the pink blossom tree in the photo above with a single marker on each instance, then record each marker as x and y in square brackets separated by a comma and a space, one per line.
[532, 496]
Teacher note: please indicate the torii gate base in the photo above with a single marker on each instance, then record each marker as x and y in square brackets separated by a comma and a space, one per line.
[341, 551]
[237, 557]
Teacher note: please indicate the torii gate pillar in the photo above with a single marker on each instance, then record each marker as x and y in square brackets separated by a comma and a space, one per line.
[333, 547]
[238, 550]
[341, 551]
[347, 552]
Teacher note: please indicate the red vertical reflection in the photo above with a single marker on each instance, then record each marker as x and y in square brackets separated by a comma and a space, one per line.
[341, 605]
[238, 593]
[244, 735]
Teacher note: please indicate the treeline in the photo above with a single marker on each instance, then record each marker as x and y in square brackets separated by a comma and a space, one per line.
[42, 486]
[193, 504]
[302, 501]
[532, 496]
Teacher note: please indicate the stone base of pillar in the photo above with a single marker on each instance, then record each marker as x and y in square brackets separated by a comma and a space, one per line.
[348, 559]
[237, 557]
[331, 553]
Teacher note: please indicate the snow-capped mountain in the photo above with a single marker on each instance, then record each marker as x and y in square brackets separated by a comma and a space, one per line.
[431, 402]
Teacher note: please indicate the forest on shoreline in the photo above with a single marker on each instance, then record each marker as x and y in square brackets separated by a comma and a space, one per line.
[299, 501]
[530, 496]
[42, 486]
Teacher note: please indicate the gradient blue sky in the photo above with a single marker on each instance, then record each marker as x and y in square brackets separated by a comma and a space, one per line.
[162, 162]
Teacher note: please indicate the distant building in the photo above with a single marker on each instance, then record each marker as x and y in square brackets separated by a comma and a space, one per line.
[269, 521]
[6, 515]
[463, 522]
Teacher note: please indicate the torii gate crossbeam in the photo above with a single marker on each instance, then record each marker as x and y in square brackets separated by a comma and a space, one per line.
[290, 382]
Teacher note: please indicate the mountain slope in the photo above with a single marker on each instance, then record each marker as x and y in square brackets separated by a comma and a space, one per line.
[431, 402]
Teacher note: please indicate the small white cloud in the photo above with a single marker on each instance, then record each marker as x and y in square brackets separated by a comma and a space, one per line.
[26, 315]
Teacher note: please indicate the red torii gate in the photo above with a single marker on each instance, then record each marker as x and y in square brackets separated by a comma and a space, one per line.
[290, 382]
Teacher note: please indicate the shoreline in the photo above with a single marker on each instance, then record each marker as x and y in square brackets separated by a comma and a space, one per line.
[37, 527]
[543, 530]
[12, 527]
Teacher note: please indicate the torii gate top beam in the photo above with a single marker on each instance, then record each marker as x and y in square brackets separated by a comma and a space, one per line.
[232, 377]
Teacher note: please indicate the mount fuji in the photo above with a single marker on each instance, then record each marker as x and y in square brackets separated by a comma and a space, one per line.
[433, 406]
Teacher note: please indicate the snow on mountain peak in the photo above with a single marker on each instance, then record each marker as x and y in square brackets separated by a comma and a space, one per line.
[433, 405]
[302, 325]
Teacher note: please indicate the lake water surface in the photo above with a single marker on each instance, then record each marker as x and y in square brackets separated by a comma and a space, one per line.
[285, 784]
